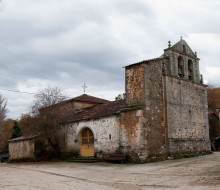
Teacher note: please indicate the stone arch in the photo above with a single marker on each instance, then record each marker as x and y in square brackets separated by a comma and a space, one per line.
[190, 69]
[180, 67]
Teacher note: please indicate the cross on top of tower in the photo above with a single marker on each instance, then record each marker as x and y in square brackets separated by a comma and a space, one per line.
[84, 88]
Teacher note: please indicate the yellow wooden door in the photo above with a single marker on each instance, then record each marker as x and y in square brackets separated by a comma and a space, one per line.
[87, 143]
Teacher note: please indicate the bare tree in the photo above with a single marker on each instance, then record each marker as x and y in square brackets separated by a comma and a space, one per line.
[46, 118]
[47, 97]
[3, 109]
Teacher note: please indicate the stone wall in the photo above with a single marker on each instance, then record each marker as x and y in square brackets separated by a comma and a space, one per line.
[134, 84]
[130, 141]
[21, 149]
[105, 131]
[173, 66]
[114, 134]
[187, 116]
[147, 87]
[171, 111]
[154, 130]
[174, 118]
[74, 105]
[181, 49]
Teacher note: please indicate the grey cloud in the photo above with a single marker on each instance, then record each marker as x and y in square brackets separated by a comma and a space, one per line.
[67, 43]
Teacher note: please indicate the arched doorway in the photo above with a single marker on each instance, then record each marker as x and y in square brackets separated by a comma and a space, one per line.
[86, 143]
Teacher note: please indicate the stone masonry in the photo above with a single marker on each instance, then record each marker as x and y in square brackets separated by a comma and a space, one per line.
[174, 99]
[165, 111]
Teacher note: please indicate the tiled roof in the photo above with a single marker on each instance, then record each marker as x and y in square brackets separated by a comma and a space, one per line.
[88, 98]
[22, 138]
[81, 98]
[98, 111]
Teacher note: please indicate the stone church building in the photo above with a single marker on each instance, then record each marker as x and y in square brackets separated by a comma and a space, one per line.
[165, 112]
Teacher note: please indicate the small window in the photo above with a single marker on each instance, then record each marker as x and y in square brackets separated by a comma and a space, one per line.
[190, 69]
[184, 48]
[180, 67]
[110, 136]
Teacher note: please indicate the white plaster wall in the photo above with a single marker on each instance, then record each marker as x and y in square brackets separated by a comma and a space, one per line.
[101, 129]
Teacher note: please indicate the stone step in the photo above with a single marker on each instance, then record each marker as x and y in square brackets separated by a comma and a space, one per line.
[84, 160]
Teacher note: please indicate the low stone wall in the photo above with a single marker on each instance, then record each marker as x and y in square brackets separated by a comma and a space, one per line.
[23, 149]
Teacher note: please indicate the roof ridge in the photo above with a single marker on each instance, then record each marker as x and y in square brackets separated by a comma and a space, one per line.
[89, 98]
[147, 60]
[98, 111]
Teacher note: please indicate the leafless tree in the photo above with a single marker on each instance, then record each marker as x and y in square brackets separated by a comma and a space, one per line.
[46, 118]
[47, 97]
[3, 109]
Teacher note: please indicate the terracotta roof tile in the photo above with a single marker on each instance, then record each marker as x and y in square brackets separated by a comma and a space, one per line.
[88, 98]
[81, 98]
[98, 111]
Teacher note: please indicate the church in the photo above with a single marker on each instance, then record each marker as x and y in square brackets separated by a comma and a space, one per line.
[164, 112]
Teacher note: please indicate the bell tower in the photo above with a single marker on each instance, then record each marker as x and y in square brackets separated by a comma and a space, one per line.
[183, 62]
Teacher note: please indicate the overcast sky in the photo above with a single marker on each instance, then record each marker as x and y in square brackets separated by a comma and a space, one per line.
[67, 43]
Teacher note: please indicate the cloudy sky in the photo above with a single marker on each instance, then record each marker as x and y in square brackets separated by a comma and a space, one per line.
[67, 43]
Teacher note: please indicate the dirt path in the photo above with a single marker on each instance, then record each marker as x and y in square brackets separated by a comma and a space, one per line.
[192, 173]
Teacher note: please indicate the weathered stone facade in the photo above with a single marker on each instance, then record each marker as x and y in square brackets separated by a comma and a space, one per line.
[22, 148]
[165, 111]
[101, 129]
[188, 128]
[175, 101]
[113, 134]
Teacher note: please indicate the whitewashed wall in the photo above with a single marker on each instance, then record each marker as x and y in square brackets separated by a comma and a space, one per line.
[102, 128]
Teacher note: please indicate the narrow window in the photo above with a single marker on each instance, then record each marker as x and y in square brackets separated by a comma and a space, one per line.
[184, 48]
[110, 136]
[190, 69]
[180, 67]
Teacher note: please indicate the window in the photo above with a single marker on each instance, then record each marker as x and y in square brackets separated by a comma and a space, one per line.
[190, 69]
[180, 67]
[184, 48]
